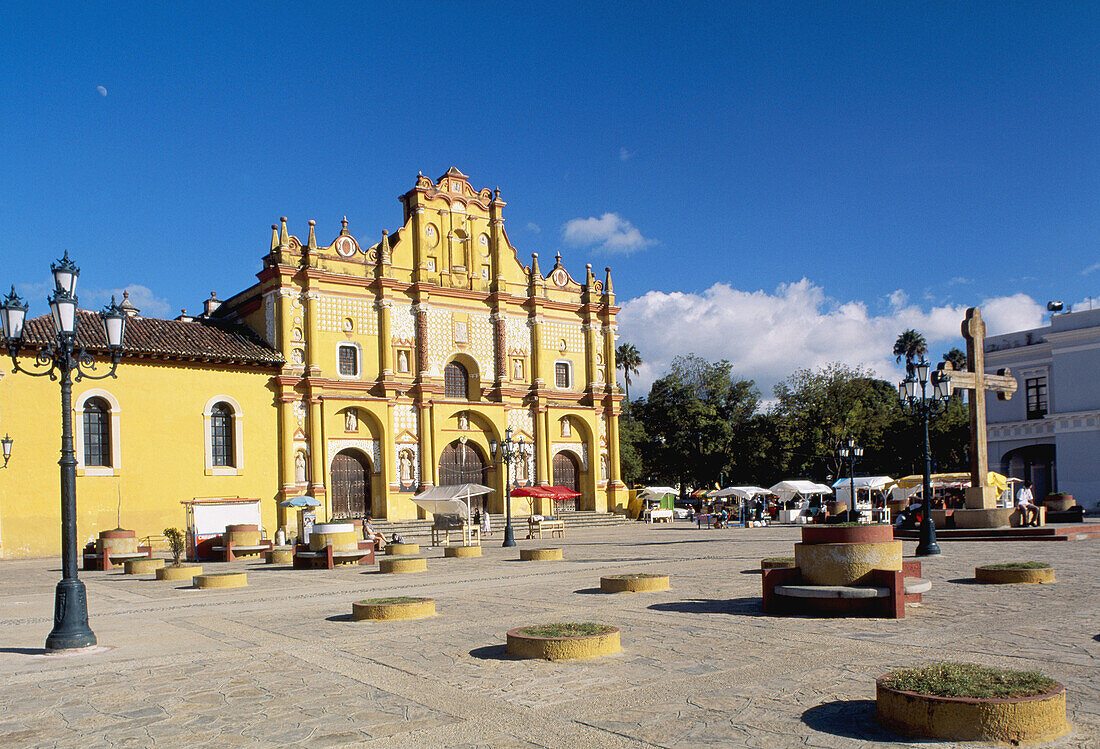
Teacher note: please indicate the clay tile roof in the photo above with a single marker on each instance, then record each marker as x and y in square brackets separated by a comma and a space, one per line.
[168, 339]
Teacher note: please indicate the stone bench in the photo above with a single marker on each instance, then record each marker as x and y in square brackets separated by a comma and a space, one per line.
[784, 592]
[94, 561]
[230, 551]
[328, 558]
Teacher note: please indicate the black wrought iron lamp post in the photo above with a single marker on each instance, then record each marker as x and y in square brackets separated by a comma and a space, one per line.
[851, 453]
[509, 450]
[65, 359]
[925, 406]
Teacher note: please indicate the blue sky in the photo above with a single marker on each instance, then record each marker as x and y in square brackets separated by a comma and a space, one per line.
[808, 177]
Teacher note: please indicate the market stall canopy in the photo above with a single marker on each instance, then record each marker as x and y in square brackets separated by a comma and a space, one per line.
[743, 492]
[546, 492]
[878, 483]
[787, 489]
[656, 492]
[949, 481]
[302, 501]
[453, 499]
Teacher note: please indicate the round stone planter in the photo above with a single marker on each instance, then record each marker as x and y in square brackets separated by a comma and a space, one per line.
[402, 550]
[222, 580]
[1021, 720]
[633, 583]
[845, 563]
[540, 555]
[847, 534]
[1014, 576]
[391, 609]
[462, 552]
[402, 564]
[582, 647]
[775, 562]
[280, 555]
[341, 536]
[143, 566]
[245, 534]
[1059, 502]
[119, 541]
[183, 572]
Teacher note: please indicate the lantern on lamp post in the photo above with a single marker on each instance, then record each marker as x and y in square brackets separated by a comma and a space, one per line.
[62, 358]
[925, 406]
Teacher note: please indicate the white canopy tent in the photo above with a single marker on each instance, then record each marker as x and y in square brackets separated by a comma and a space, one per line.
[742, 492]
[844, 487]
[450, 500]
[786, 490]
[655, 493]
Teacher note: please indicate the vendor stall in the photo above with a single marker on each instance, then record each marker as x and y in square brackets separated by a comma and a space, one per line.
[869, 495]
[798, 495]
[450, 509]
[207, 519]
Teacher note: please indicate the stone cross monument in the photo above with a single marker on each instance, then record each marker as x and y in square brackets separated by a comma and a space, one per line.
[979, 495]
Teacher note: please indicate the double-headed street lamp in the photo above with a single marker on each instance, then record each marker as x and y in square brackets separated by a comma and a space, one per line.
[62, 357]
[925, 406]
[509, 450]
[851, 452]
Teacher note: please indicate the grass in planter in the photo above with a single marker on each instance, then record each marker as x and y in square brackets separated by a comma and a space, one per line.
[394, 599]
[948, 679]
[635, 576]
[570, 629]
[777, 559]
[1017, 566]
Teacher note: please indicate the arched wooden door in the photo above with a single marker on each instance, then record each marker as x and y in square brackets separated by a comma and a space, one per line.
[460, 463]
[350, 485]
[567, 473]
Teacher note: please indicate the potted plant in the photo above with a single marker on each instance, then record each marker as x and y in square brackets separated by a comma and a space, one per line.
[177, 570]
[176, 544]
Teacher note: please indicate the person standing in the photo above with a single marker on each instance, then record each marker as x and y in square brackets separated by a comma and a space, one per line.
[486, 523]
[1025, 501]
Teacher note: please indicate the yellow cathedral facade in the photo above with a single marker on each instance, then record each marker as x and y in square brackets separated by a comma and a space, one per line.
[356, 372]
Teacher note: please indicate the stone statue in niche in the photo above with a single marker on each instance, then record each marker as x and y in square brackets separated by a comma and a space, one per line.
[520, 470]
[300, 468]
[517, 369]
[406, 466]
[351, 421]
[603, 467]
[463, 422]
[566, 430]
[402, 361]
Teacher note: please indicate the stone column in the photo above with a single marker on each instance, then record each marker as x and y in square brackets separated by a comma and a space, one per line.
[319, 469]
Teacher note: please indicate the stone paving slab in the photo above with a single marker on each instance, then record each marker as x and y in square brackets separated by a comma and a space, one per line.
[281, 663]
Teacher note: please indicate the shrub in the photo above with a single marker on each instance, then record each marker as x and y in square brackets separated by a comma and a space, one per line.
[175, 543]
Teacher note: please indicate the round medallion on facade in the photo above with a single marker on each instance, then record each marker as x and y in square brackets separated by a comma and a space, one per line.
[560, 277]
[483, 240]
[345, 246]
[562, 345]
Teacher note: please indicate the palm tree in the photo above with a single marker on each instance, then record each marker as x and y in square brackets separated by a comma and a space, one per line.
[909, 346]
[957, 357]
[628, 360]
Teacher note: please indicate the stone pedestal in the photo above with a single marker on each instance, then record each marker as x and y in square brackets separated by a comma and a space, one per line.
[981, 497]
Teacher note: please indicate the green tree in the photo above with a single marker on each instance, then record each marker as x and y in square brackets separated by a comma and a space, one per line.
[628, 360]
[910, 345]
[632, 438]
[819, 410]
[176, 543]
[693, 418]
[957, 357]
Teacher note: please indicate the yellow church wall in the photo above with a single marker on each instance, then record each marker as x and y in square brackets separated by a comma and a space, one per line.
[161, 458]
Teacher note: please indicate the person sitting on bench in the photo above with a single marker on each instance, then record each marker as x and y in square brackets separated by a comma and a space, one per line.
[1025, 502]
[370, 534]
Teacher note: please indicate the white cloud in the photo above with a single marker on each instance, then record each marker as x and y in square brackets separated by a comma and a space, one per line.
[625, 155]
[768, 335]
[102, 90]
[141, 297]
[1091, 269]
[533, 227]
[609, 232]
[957, 280]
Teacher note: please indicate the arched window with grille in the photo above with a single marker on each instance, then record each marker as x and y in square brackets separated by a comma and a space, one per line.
[221, 435]
[97, 433]
[456, 380]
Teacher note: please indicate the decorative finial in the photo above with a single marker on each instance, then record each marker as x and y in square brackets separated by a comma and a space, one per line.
[607, 287]
[274, 237]
[126, 295]
[284, 236]
[312, 241]
[344, 225]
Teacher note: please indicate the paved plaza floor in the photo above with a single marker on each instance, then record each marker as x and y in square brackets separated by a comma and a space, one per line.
[281, 662]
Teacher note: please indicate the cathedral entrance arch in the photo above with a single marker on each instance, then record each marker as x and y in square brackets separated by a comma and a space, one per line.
[567, 473]
[461, 463]
[351, 496]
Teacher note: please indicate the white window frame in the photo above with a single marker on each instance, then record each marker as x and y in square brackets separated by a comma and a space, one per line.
[78, 434]
[358, 361]
[572, 381]
[208, 437]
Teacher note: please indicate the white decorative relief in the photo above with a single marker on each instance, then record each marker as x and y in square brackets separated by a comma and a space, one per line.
[332, 311]
[579, 449]
[571, 333]
[517, 335]
[403, 322]
[480, 345]
[369, 447]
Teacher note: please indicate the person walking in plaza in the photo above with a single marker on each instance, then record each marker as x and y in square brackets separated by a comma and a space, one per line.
[1025, 501]
[486, 523]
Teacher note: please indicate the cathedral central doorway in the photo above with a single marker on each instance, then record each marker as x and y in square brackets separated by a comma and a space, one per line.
[350, 485]
[567, 473]
[461, 463]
